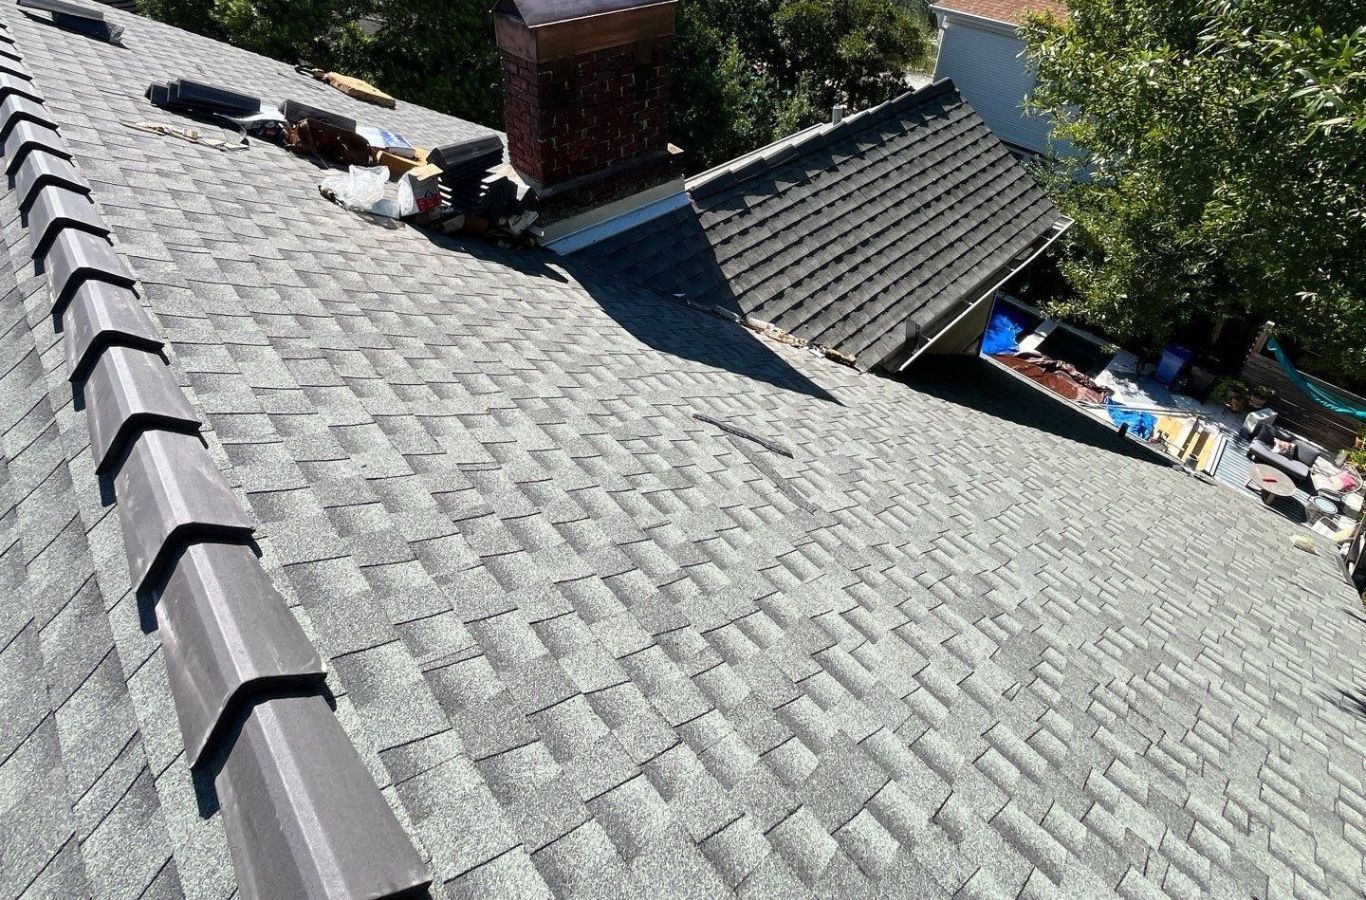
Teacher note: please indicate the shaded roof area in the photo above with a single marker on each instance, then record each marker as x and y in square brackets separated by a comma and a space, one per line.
[1012, 12]
[845, 234]
[588, 644]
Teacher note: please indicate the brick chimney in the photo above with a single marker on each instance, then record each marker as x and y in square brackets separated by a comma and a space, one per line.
[585, 88]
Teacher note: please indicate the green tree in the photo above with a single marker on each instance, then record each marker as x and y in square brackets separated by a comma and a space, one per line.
[440, 55]
[748, 73]
[1224, 171]
[744, 74]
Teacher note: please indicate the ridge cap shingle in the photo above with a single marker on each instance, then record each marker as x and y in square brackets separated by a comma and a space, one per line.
[303, 815]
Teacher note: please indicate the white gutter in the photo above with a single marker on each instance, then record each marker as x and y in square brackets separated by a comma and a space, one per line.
[1058, 232]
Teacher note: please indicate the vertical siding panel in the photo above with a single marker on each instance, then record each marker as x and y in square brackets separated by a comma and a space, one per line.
[992, 76]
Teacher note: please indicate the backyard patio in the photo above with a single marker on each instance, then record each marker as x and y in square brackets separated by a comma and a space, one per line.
[1116, 387]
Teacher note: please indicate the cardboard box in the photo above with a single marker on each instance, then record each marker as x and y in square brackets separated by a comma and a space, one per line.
[397, 165]
[419, 190]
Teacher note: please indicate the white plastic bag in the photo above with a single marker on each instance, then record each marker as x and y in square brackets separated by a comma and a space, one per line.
[362, 189]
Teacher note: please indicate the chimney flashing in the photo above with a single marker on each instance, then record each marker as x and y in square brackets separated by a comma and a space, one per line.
[565, 37]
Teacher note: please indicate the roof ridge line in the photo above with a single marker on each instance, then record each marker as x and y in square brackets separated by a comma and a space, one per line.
[254, 712]
[807, 139]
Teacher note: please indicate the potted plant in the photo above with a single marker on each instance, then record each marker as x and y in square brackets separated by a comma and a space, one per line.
[1232, 393]
[1356, 457]
[1260, 396]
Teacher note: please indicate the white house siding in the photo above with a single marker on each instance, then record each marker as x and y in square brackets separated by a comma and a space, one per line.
[983, 59]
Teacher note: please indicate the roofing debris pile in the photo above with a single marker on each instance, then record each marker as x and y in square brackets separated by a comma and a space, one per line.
[459, 187]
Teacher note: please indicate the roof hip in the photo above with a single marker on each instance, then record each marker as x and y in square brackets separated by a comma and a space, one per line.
[302, 814]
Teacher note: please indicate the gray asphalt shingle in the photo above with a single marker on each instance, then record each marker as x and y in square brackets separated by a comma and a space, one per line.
[589, 644]
[844, 235]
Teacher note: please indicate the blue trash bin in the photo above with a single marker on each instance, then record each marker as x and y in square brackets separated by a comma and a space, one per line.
[1174, 359]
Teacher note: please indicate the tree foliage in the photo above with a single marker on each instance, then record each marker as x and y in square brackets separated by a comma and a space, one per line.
[1222, 143]
[440, 55]
[748, 73]
[744, 73]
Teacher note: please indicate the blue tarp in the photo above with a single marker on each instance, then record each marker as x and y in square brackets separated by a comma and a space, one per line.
[1321, 396]
[1003, 331]
[1140, 424]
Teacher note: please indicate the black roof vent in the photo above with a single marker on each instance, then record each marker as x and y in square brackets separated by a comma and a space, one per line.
[80, 19]
[183, 95]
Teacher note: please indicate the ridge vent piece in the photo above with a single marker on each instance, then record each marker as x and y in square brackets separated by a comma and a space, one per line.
[102, 314]
[10, 67]
[12, 86]
[301, 812]
[169, 491]
[129, 391]
[42, 169]
[26, 137]
[57, 208]
[16, 108]
[76, 257]
[226, 633]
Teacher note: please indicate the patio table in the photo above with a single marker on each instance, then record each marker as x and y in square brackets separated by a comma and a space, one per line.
[1270, 483]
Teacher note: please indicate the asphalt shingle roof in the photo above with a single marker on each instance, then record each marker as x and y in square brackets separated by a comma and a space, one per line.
[1012, 12]
[842, 237]
[587, 644]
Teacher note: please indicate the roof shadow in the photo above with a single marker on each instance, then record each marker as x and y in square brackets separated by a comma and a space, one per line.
[978, 384]
[672, 326]
[667, 325]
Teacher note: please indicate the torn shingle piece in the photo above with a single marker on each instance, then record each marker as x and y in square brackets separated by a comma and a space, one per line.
[302, 816]
[226, 631]
[169, 490]
[129, 390]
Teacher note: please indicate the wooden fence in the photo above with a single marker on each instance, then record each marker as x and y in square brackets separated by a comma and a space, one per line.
[1295, 410]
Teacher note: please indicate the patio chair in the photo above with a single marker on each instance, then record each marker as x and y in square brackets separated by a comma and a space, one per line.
[1323, 476]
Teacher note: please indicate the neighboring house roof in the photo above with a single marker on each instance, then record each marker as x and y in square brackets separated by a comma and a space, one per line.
[590, 645]
[1012, 12]
[844, 235]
